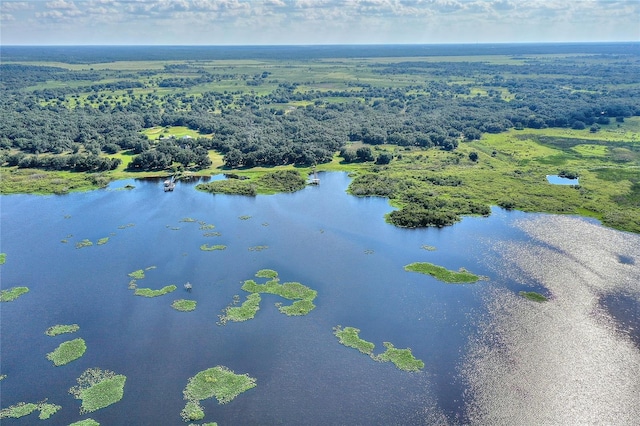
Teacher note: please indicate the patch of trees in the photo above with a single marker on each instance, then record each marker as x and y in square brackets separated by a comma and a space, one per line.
[74, 162]
[169, 151]
[424, 210]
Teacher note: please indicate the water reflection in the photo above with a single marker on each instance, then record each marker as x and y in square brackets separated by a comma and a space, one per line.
[563, 361]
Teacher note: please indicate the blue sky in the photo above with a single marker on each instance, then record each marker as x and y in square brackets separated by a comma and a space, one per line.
[256, 22]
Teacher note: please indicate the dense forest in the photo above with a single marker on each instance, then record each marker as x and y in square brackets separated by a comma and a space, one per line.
[78, 113]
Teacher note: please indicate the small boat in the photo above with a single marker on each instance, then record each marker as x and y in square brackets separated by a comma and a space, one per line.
[169, 184]
[188, 286]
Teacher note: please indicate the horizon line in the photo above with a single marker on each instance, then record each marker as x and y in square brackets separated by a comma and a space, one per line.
[332, 44]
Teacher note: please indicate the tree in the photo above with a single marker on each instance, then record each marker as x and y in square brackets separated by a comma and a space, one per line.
[384, 158]
[473, 156]
[364, 153]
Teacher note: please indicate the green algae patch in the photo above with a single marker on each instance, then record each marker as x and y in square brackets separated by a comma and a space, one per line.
[266, 273]
[22, 409]
[533, 296]
[192, 411]
[61, 329]
[84, 243]
[85, 422]
[3, 258]
[244, 312]
[218, 382]
[451, 277]
[206, 247]
[349, 336]
[98, 389]
[184, 305]
[401, 358]
[67, 351]
[147, 292]
[11, 294]
[137, 275]
[301, 295]
[297, 308]
[103, 241]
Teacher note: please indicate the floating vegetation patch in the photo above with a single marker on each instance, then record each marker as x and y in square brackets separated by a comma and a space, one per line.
[3, 258]
[184, 305]
[137, 275]
[265, 224]
[147, 292]
[428, 248]
[102, 241]
[258, 248]
[3, 376]
[206, 226]
[128, 225]
[266, 273]
[98, 389]
[11, 294]
[206, 247]
[192, 411]
[67, 351]
[302, 295]
[173, 228]
[349, 336]
[22, 409]
[244, 312]
[452, 277]
[369, 251]
[533, 296]
[403, 359]
[244, 217]
[219, 382]
[64, 241]
[84, 243]
[61, 329]
[188, 219]
[211, 234]
[85, 422]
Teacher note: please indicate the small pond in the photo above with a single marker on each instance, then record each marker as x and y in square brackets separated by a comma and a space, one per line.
[558, 180]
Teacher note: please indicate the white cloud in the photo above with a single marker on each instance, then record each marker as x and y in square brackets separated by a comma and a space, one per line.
[317, 21]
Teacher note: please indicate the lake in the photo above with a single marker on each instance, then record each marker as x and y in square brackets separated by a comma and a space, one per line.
[491, 356]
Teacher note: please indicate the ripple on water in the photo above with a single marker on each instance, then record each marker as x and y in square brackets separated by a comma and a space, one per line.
[563, 361]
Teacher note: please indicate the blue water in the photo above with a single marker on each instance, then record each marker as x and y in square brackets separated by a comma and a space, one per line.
[557, 180]
[321, 237]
